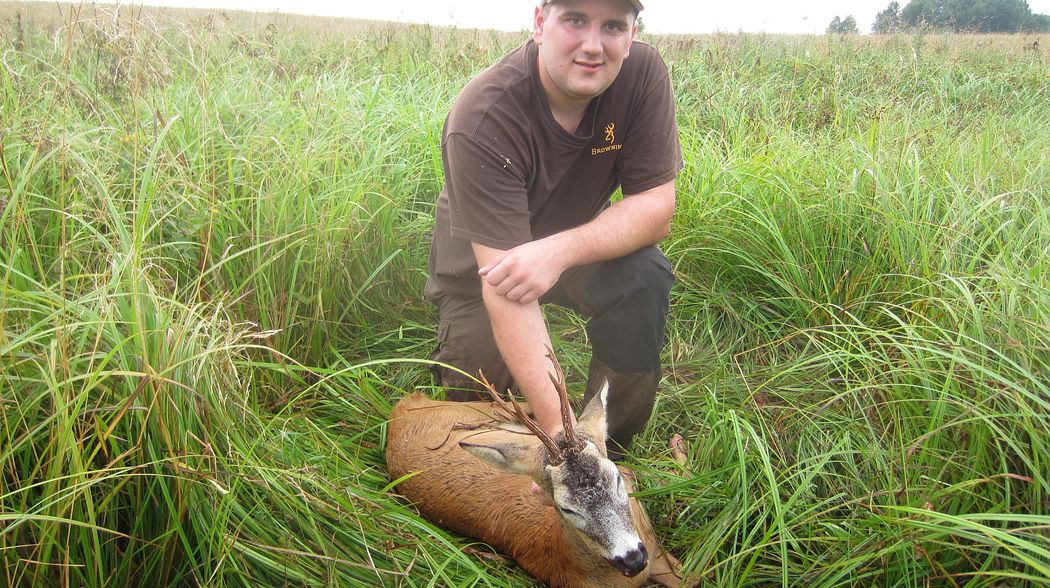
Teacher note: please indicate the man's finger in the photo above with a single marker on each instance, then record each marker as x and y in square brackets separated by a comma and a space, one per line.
[519, 293]
[494, 274]
[492, 264]
[541, 495]
[502, 283]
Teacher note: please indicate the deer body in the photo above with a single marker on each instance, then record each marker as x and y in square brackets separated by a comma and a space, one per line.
[456, 490]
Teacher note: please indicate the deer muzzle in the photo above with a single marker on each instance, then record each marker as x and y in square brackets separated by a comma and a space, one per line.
[633, 562]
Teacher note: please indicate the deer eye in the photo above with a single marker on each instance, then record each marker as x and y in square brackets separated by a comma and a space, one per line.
[567, 511]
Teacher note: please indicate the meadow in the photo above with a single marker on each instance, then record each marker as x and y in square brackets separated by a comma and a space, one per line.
[213, 239]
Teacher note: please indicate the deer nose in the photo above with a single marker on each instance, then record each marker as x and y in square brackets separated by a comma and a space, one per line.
[633, 562]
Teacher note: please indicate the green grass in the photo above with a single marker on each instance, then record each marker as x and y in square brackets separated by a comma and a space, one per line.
[213, 239]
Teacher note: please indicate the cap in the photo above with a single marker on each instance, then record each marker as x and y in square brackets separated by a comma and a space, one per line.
[635, 3]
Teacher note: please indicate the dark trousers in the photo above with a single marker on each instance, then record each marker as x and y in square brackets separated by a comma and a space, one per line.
[626, 303]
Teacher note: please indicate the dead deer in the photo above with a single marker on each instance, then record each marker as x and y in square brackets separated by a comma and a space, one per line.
[469, 468]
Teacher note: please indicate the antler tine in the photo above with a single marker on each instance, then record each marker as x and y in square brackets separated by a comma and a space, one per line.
[552, 448]
[558, 379]
[492, 392]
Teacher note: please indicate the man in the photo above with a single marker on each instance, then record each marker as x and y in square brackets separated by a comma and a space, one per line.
[533, 149]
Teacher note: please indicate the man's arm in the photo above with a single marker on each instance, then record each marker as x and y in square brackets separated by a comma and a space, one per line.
[526, 272]
[513, 280]
[522, 338]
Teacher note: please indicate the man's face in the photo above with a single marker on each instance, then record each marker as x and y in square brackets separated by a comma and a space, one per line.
[582, 46]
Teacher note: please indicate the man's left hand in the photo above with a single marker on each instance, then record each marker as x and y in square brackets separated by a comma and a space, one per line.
[524, 273]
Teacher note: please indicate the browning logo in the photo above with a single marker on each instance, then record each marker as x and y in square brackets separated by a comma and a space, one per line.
[610, 136]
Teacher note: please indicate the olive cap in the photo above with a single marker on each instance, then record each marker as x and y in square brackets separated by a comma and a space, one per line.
[635, 3]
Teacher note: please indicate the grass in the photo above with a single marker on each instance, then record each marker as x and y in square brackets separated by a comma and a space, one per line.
[213, 234]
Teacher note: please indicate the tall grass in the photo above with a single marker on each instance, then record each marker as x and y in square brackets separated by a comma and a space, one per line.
[214, 233]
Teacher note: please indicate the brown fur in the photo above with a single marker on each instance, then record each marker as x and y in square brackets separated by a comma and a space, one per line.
[459, 492]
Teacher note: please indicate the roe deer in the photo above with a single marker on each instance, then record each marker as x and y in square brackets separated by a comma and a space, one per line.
[594, 535]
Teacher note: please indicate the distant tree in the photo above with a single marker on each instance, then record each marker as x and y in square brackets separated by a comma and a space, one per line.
[849, 26]
[964, 16]
[934, 14]
[844, 26]
[888, 21]
[1037, 23]
[997, 16]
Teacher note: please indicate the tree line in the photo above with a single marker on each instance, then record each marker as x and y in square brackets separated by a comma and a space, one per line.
[960, 16]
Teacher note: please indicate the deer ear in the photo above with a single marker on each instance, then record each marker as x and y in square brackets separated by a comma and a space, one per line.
[592, 421]
[516, 458]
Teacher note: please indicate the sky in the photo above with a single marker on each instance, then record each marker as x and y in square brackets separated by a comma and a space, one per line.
[659, 16]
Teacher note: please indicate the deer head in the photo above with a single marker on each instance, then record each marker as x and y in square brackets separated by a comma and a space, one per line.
[575, 471]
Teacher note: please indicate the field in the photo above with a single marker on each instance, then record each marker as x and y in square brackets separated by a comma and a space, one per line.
[213, 239]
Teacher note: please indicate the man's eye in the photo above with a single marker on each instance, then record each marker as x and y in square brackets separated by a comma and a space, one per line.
[567, 511]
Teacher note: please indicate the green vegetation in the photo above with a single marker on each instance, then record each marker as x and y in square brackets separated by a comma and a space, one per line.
[213, 233]
[962, 16]
[843, 26]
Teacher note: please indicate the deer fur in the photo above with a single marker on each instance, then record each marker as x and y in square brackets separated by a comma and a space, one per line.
[441, 448]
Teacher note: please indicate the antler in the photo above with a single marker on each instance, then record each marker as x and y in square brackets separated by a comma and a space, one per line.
[553, 451]
[573, 443]
[558, 379]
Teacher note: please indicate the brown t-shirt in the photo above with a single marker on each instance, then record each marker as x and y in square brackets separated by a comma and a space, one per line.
[513, 174]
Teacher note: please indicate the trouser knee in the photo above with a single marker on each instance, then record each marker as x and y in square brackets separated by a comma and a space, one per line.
[627, 300]
[466, 348]
[628, 306]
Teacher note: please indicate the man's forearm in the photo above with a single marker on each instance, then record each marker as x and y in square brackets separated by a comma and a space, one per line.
[626, 226]
[521, 335]
[526, 272]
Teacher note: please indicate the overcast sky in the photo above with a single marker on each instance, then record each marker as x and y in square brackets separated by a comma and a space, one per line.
[659, 16]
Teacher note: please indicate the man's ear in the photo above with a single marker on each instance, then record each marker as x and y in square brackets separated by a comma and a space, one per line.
[592, 422]
[634, 35]
[516, 458]
[538, 20]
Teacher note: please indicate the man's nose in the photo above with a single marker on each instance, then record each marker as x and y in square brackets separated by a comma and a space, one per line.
[592, 39]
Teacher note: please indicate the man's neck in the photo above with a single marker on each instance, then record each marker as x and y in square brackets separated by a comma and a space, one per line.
[567, 111]
[569, 121]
